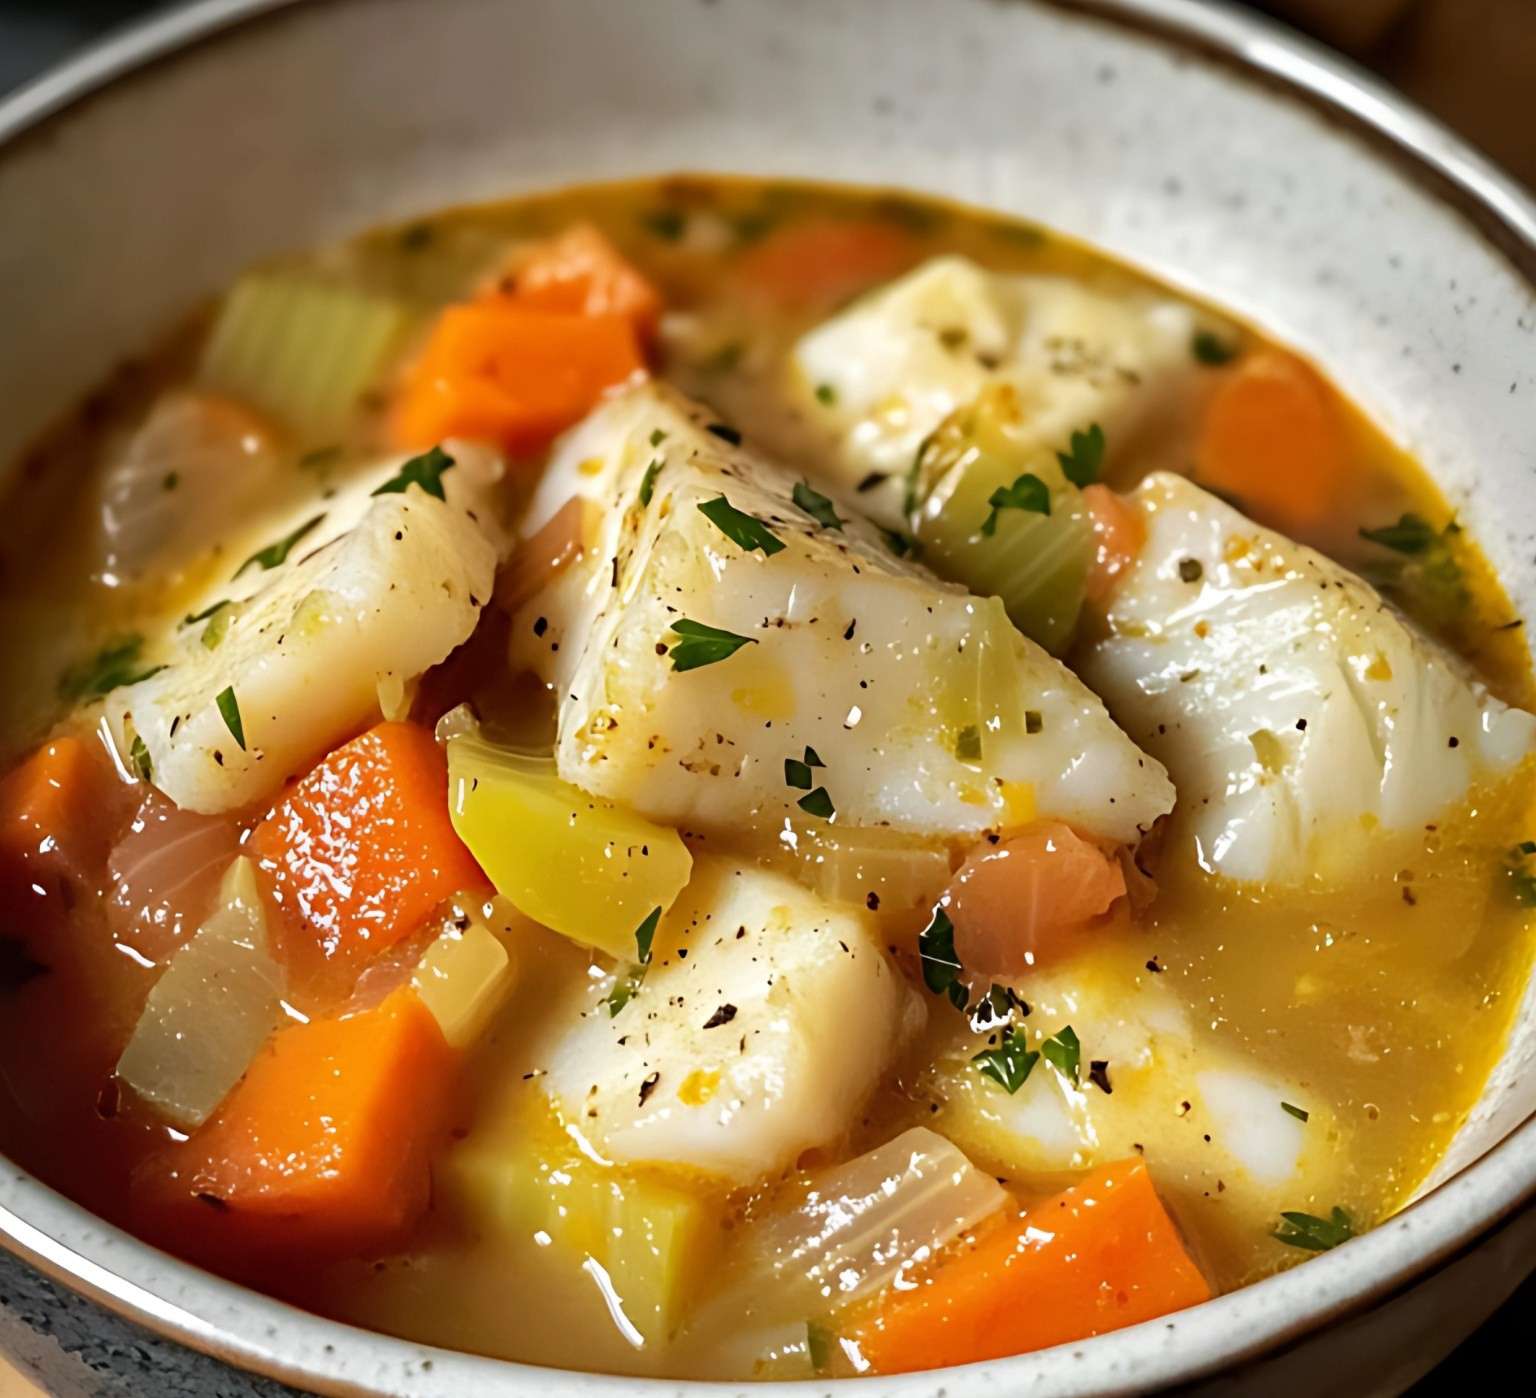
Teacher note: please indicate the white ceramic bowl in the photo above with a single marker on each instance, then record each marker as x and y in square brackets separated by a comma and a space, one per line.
[1204, 144]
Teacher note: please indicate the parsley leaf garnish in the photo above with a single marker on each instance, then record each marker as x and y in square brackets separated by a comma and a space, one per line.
[1028, 492]
[658, 436]
[703, 645]
[1009, 1064]
[192, 618]
[648, 481]
[1209, 348]
[229, 711]
[1412, 534]
[797, 774]
[826, 395]
[818, 803]
[812, 760]
[625, 987]
[114, 665]
[425, 470]
[1080, 463]
[815, 504]
[1064, 1053]
[138, 759]
[276, 554]
[941, 965]
[746, 531]
[1300, 1113]
[1314, 1234]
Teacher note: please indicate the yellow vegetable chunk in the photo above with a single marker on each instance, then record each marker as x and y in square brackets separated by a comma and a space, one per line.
[462, 978]
[578, 864]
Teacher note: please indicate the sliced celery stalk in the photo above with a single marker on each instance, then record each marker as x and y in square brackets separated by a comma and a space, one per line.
[1037, 563]
[462, 978]
[653, 1239]
[301, 349]
[579, 865]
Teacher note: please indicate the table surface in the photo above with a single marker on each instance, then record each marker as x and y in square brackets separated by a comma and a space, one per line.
[41, 1328]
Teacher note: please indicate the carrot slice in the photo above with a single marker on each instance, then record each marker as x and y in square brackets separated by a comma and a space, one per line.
[826, 260]
[1102, 1255]
[1028, 898]
[321, 1149]
[52, 823]
[1272, 439]
[502, 371]
[1119, 532]
[581, 273]
[361, 849]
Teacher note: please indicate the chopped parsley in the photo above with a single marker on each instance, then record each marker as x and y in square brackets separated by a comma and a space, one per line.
[657, 436]
[818, 803]
[812, 760]
[1209, 348]
[703, 645]
[818, 1346]
[1427, 579]
[1314, 1234]
[218, 626]
[826, 395]
[138, 759]
[746, 531]
[902, 545]
[229, 711]
[425, 470]
[1300, 1113]
[626, 986]
[1085, 454]
[1064, 1053]
[1028, 492]
[941, 965]
[192, 618]
[645, 935]
[797, 774]
[815, 504]
[114, 665]
[1009, 1064]
[648, 481]
[274, 555]
[1412, 534]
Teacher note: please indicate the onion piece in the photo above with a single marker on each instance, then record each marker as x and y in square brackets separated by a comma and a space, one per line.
[164, 871]
[210, 1011]
[871, 1219]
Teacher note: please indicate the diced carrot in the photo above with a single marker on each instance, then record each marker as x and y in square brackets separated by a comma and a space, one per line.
[499, 370]
[1028, 898]
[52, 821]
[360, 850]
[825, 261]
[1100, 1256]
[1272, 440]
[581, 273]
[321, 1149]
[1119, 533]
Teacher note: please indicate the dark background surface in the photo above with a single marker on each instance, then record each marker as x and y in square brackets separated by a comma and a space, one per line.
[1471, 62]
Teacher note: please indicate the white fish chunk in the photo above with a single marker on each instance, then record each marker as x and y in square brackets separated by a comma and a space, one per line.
[381, 588]
[1297, 711]
[930, 712]
[900, 360]
[763, 1023]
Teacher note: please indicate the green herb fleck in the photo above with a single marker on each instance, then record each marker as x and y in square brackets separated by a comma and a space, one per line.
[1209, 348]
[816, 505]
[1314, 1234]
[941, 965]
[826, 395]
[648, 481]
[194, 617]
[1427, 580]
[645, 934]
[819, 1342]
[1028, 492]
[1080, 463]
[1521, 876]
[274, 555]
[666, 224]
[1063, 1052]
[1412, 534]
[1300, 1113]
[657, 436]
[968, 744]
[116, 664]
[703, 645]
[229, 711]
[217, 628]
[797, 774]
[724, 359]
[1009, 1064]
[425, 470]
[902, 545]
[626, 986]
[746, 531]
[812, 760]
[138, 759]
[818, 804]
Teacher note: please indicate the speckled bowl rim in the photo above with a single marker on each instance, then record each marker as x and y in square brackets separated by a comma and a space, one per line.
[269, 1337]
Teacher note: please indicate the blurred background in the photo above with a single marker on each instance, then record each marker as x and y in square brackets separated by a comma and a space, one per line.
[1470, 62]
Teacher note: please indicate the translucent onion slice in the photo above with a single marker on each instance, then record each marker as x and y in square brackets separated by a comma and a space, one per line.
[210, 1011]
[466, 972]
[867, 1221]
[885, 871]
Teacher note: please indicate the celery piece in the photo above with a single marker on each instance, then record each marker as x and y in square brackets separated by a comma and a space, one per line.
[301, 349]
[575, 863]
[462, 978]
[519, 1175]
[1036, 562]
